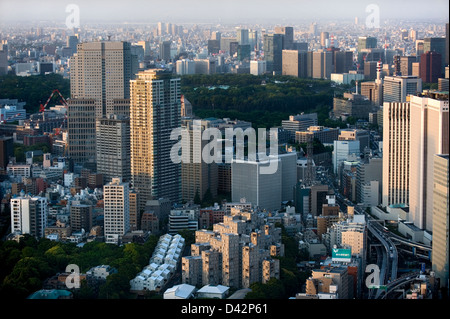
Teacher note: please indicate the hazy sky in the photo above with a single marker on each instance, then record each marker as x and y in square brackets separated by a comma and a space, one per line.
[221, 11]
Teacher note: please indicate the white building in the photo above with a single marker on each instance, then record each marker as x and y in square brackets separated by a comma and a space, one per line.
[22, 170]
[162, 264]
[116, 210]
[183, 291]
[258, 67]
[185, 66]
[262, 190]
[370, 193]
[209, 291]
[342, 150]
[101, 271]
[29, 215]
[429, 136]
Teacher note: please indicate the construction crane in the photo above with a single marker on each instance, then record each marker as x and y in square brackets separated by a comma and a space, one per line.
[2, 121]
[63, 101]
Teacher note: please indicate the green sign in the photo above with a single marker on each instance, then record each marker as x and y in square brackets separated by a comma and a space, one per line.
[341, 254]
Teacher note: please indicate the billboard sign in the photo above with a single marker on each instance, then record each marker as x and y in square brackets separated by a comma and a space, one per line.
[341, 254]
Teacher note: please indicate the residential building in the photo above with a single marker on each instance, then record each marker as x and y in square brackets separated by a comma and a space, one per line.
[116, 210]
[154, 112]
[29, 215]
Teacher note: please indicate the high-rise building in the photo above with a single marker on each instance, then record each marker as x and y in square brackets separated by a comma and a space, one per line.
[430, 67]
[396, 153]
[406, 64]
[429, 135]
[437, 45]
[343, 61]
[116, 196]
[366, 43]
[322, 65]
[342, 151]
[257, 67]
[397, 88]
[273, 52]
[164, 50]
[72, 42]
[242, 36]
[197, 178]
[446, 44]
[324, 36]
[29, 215]
[154, 112]
[440, 245]
[294, 63]
[288, 36]
[113, 147]
[99, 85]
[185, 66]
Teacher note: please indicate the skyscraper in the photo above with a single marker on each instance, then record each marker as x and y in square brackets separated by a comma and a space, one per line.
[429, 136]
[294, 63]
[242, 37]
[273, 48]
[322, 64]
[154, 112]
[288, 36]
[437, 45]
[430, 67]
[396, 153]
[113, 147]
[197, 178]
[164, 50]
[440, 245]
[116, 210]
[99, 85]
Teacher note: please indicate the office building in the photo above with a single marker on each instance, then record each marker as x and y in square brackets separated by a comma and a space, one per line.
[440, 244]
[273, 48]
[262, 190]
[299, 122]
[342, 151]
[3, 59]
[323, 134]
[213, 46]
[258, 67]
[294, 63]
[429, 135]
[324, 36]
[29, 215]
[185, 66]
[99, 85]
[396, 153]
[355, 105]
[367, 172]
[288, 36]
[242, 36]
[154, 112]
[343, 61]
[355, 135]
[430, 69]
[164, 51]
[322, 64]
[397, 88]
[366, 43]
[438, 45]
[197, 177]
[116, 196]
[406, 64]
[113, 147]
